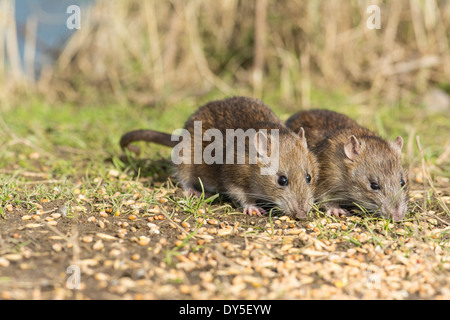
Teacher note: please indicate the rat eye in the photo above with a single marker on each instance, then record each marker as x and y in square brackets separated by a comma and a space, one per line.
[283, 181]
[402, 183]
[308, 178]
[374, 186]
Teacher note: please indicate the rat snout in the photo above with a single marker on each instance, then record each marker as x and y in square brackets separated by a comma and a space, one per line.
[301, 210]
[300, 214]
[295, 207]
[396, 211]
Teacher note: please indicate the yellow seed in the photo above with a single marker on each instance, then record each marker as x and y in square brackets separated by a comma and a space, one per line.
[143, 241]
[135, 257]
[224, 232]
[101, 277]
[286, 247]
[185, 289]
[339, 283]
[122, 233]
[293, 231]
[213, 222]
[98, 245]
[57, 247]
[206, 276]
[114, 253]
[155, 210]
[185, 224]
[310, 226]
[178, 243]
[137, 195]
[88, 239]
[132, 217]
[114, 173]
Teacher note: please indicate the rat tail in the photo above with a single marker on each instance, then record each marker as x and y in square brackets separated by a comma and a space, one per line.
[145, 135]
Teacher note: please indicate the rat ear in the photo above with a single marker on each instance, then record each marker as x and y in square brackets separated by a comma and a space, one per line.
[352, 148]
[301, 134]
[398, 144]
[260, 141]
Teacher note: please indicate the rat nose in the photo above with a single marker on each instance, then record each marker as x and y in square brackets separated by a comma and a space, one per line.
[398, 214]
[301, 211]
[300, 214]
[396, 211]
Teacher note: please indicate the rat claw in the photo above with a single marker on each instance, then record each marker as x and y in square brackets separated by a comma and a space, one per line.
[191, 192]
[252, 209]
[337, 212]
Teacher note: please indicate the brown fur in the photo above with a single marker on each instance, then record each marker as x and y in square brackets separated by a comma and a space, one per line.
[344, 181]
[243, 182]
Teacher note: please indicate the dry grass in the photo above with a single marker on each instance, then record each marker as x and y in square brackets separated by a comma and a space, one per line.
[150, 51]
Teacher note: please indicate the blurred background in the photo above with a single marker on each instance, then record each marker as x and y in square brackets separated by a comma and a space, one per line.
[151, 52]
[71, 93]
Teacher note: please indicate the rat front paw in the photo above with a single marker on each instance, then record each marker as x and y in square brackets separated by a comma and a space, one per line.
[337, 212]
[192, 193]
[250, 210]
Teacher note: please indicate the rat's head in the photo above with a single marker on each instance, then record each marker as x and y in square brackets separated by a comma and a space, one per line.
[375, 176]
[288, 171]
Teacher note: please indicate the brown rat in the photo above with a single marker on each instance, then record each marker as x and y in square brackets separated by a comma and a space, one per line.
[290, 187]
[356, 166]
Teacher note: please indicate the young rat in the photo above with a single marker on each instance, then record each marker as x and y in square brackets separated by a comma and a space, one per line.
[357, 167]
[259, 142]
